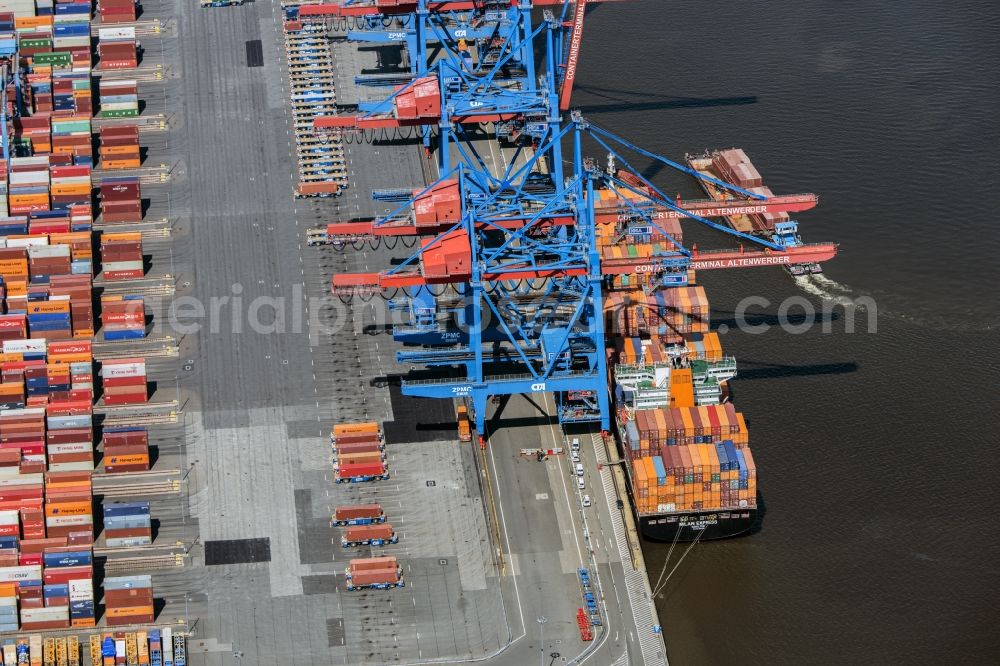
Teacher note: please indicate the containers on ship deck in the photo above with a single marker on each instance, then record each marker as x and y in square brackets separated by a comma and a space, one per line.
[695, 477]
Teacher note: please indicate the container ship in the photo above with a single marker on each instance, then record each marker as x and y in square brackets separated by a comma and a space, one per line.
[684, 445]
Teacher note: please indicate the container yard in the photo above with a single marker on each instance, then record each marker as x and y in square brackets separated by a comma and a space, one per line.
[167, 494]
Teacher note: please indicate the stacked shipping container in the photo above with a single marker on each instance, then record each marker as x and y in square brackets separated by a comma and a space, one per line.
[117, 11]
[123, 317]
[127, 524]
[126, 450]
[121, 256]
[128, 600]
[124, 381]
[46, 362]
[119, 98]
[358, 452]
[119, 147]
[121, 200]
[117, 48]
[377, 572]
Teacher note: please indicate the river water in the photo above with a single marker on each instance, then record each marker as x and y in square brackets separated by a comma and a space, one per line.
[877, 449]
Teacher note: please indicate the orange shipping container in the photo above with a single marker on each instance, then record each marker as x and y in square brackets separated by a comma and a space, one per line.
[69, 509]
[120, 164]
[129, 611]
[355, 428]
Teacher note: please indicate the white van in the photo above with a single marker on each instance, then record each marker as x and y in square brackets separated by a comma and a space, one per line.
[579, 469]
[575, 444]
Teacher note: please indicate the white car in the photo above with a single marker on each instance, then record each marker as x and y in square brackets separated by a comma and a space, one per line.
[586, 500]
[580, 484]
[575, 444]
[575, 456]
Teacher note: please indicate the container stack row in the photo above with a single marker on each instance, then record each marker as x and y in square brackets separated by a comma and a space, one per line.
[117, 11]
[358, 452]
[666, 314]
[124, 381]
[126, 449]
[42, 379]
[46, 548]
[121, 200]
[119, 147]
[127, 524]
[123, 317]
[322, 165]
[648, 431]
[121, 256]
[118, 98]
[694, 477]
[49, 190]
[116, 48]
[128, 600]
[156, 647]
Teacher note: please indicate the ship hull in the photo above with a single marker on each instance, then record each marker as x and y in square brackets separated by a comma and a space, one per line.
[685, 527]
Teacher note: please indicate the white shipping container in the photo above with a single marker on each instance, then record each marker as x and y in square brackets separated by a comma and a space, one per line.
[73, 447]
[111, 370]
[81, 588]
[17, 162]
[123, 265]
[48, 251]
[36, 346]
[168, 645]
[108, 34]
[10, 517]
[128, 582]
[128, 542]
[21, 480]
[15, 574]
[45, 614]
[62, 521]
[28, 178]
[119, 106]
[81, 466]
[25, 411]
[27, 242]
[73, 180]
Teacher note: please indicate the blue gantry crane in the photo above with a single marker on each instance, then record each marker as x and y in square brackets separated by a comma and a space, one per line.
[504, 292]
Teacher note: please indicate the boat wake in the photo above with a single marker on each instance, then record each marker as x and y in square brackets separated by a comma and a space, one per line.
[881, 305]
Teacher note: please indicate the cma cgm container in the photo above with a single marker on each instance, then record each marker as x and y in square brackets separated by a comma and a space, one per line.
[368, 535]
[358, 514]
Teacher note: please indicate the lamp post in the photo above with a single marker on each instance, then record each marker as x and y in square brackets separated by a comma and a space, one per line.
[541, 648]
